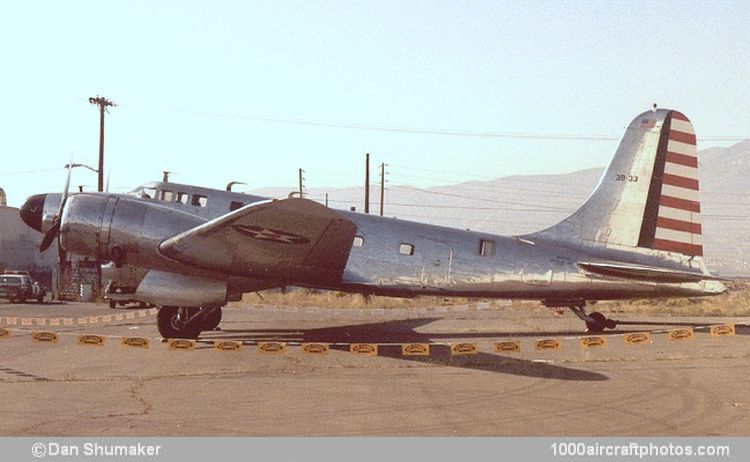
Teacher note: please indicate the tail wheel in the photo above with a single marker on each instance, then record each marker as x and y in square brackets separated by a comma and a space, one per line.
[599, 324]
[211, 320]
[172, 323]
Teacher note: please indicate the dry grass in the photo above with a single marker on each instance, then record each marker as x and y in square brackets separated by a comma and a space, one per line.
[735, 302]
[302, 298]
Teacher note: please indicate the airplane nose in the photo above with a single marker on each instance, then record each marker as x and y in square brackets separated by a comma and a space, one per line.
[32, 210]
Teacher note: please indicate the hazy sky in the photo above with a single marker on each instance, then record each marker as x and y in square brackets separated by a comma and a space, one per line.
[192, 79]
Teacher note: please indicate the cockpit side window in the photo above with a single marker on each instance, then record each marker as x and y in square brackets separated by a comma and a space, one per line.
[235, 205]
[148, 193]
[165, 196]
[199, 200]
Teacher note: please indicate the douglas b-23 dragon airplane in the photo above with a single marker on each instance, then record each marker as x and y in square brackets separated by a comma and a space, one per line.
[638, 235]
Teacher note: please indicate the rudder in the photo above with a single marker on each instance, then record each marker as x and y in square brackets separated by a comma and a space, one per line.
[671, 219]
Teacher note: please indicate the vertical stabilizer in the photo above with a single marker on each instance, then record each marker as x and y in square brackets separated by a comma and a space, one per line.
[648, 195]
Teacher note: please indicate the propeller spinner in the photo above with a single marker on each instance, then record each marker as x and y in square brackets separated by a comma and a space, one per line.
[32, 213]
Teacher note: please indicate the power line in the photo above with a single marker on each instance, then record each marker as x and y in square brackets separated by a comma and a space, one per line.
[538, 207]
[424, 130]
[523, 178]
[29, 172]
[469, 207]
[463, 183]
[516, 178]
[441, 206]
[497, 189]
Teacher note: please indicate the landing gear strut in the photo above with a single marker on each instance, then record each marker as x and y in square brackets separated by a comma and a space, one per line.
[595, 322]
[186, 322]
[211, 318]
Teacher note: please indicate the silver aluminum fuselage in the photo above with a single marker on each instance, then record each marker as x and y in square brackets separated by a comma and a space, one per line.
[444, 261]
[448, 262]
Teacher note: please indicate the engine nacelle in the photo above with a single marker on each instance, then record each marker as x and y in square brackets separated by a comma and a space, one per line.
[163, 288]
[124, 230]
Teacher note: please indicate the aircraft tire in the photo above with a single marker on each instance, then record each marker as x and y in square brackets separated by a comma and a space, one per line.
[211, 321]
[112, 304]
[599, 324]
[170, 327]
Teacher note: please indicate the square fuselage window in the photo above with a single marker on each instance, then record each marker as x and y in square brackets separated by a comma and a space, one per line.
[236, 205]
[406, 249]
[182, 197]
[486, 248]
[359, 241]
[199, 201]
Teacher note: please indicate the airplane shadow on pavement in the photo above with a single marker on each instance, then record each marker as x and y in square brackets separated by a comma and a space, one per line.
[403, 331]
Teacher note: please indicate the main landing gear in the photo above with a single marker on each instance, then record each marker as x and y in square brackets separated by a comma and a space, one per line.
[595, 322]
[187, 322]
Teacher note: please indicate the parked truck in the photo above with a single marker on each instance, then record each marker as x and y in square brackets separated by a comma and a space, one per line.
[20, 287]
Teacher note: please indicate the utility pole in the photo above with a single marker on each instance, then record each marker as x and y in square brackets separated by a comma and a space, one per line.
[382, 186]
[326, 199]
[103, 104]
[301, 193]
[367, 183]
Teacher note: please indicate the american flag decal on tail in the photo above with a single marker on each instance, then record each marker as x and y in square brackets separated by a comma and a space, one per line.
[672, 216]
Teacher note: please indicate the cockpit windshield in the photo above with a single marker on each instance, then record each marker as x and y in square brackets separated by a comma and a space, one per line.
[143, 192]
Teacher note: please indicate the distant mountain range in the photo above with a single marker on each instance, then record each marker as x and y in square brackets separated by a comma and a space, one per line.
[516, 205]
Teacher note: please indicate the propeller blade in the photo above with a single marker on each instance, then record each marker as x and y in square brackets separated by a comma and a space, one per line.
[65, 191]
[50, 236]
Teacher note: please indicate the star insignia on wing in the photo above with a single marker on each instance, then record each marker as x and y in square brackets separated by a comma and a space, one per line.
[270, 235]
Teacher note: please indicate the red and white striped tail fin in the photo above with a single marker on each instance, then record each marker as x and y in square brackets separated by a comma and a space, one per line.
[648, 195]
[672, 219]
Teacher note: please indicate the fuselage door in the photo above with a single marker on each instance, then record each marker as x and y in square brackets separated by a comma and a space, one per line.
[437, 262]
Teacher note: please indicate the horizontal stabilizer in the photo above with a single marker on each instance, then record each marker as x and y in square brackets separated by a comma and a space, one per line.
[288, 240]
[644, 273]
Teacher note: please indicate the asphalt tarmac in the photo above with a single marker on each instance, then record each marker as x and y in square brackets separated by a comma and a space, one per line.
[682, 387]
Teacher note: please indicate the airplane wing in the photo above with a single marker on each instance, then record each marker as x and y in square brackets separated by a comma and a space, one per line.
[295, 240]
[644, 273]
